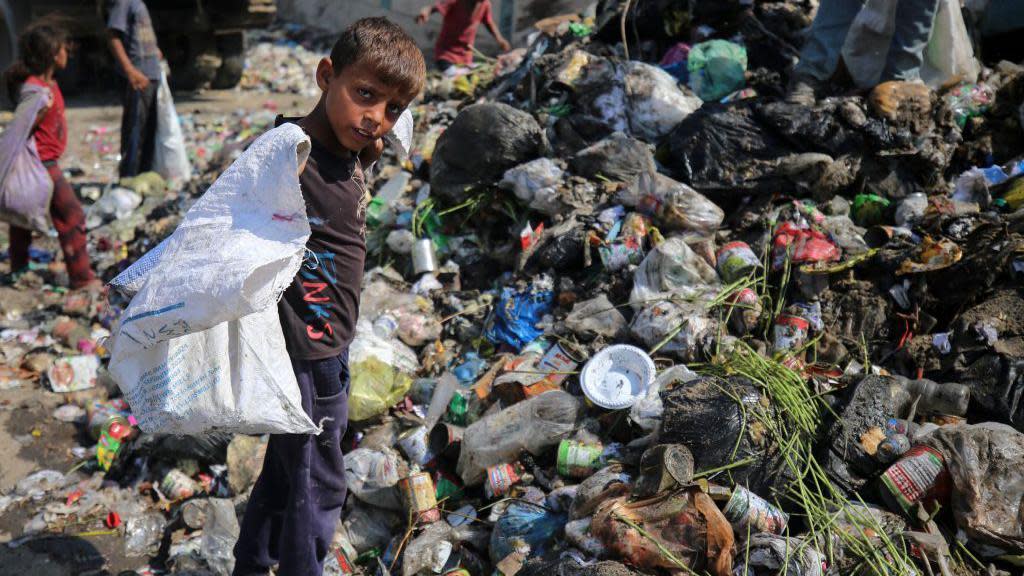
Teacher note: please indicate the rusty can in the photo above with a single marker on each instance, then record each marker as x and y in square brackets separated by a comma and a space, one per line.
[736, 260]
[415, 446]
[500, 479]
[419, 496]
[446, 439]
[662, 467]
[746, 508]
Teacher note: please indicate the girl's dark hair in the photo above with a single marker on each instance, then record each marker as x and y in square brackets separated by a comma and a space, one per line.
[38, 45]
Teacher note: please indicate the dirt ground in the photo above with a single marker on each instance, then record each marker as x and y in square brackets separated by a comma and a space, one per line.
[31, 439]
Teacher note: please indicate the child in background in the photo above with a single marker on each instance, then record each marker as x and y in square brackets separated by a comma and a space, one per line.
[373, 73]
[458, 30]
[43, 51]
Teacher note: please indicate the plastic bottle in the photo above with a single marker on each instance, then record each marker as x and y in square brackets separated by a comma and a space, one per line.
[531, 425]
[381, 210]
[938, 398]
[219, 535]
[142, 534]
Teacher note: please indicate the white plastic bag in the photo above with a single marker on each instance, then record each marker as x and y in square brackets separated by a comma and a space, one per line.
[672, 268]
[169, 157]
[949, 56]
[200, 345]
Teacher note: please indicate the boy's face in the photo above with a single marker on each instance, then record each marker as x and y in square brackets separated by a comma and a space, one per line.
[360, 107]
[60, 61]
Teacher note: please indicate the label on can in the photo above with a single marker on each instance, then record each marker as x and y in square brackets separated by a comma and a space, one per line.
[176, 485]
[338, 564]
[558, 361]
[114, 432]
[578, 460]
[745, 507]
[789, 332]
[500, 479]
[736, 260]
[920, 474]
[414, 444]
[418, 493]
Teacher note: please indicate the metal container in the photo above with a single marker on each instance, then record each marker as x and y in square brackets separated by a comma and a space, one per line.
[500, 479]
[662, 467]
[746, 508]
[415, 446]
[578, 460]
[424, 258]
[418, 493]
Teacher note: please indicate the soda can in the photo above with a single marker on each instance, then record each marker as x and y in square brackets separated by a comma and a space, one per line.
[424, 258]
[736, 260]
[176, 485]
[415, 446]
[789, 332]
[920, 475]
[578, 460]
[500, 479]
[100, 413]
[418, 492]
[746, 508]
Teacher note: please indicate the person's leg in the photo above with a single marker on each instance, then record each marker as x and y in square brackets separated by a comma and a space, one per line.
[820, 54]
[69, 220]
[296, 503]
[21, 239]
[131, 131]
[148, 119]
[318, 491]
[914, 20]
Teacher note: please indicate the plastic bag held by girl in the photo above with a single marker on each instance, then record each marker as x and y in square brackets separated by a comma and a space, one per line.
[25, 186]
[200, 345]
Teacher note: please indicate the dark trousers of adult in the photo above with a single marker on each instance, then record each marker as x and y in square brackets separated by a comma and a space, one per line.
[296, 502]
[138, 129]
[69, 220]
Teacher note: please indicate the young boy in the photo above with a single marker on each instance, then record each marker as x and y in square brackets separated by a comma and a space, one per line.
[458, 30]
[373, 73]
[133, 44]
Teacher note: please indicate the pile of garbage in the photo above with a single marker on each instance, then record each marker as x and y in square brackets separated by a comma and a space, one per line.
[627, 310]
[282, 59]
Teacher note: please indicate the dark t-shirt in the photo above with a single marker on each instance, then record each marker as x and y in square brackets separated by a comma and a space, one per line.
[319, 310]
[131, 19]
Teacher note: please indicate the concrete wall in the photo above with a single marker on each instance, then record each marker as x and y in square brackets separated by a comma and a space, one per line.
[514, 17]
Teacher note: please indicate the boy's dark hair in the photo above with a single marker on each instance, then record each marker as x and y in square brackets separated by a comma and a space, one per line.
[38, 45]
[385, 47]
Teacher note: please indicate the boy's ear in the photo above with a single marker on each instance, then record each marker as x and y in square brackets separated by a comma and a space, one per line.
[324, 73]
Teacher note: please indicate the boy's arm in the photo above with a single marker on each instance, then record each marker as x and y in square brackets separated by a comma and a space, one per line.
[493, 28]
[441, 7]
[137, 79]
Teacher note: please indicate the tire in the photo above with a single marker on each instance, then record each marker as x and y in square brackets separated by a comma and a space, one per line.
[232, 66]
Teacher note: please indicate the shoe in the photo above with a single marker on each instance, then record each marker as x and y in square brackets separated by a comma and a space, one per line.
[800, 92]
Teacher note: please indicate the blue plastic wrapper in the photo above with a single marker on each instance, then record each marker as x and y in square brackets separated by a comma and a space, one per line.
[530, 523]
[468, 371]
[516, 316]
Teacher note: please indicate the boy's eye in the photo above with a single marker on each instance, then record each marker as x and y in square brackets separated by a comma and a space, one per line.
[364, 93]
[395, 109]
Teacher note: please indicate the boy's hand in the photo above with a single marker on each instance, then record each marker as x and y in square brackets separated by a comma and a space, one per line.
[137, 79]
[423, 16]
[371, 153]
[504, 45]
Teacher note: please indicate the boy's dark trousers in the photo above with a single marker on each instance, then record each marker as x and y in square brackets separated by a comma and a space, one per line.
[296, 503]
[138, 129]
